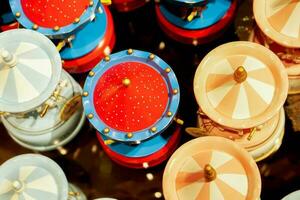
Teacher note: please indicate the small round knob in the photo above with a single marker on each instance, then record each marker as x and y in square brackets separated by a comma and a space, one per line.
[210, 173]
[240, 74]
[17, 185]
[126, 82]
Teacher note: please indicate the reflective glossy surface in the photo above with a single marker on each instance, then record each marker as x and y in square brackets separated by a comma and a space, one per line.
[85, 163]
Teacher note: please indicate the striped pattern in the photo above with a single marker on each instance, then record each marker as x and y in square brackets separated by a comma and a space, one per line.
[231, 181]
[37, 184]
[29, 78]
[284, 15]
[240, 100]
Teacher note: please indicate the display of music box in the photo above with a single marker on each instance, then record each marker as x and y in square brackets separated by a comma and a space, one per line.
[128, 5]
[278, 23]
[35, 177]
[40, 103]
[197, 21]
[240, 88]
[131, 98]
[56, 19]
[88, 45]
[210, 168]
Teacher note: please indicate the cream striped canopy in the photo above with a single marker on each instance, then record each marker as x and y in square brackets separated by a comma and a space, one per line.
[279, 20]
[32, 75]
[236, 175]
[32, 177]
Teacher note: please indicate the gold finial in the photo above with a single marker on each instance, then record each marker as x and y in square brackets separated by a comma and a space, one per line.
[18, 14]
[126, 82]
[167, 69]
[91, 73]
[90, 116]
[175, 91]
[169, 114]
[240, 74]
[35, 27]
[56, 28]
[106, 130]
[210, 173]
[76, 20]
[107, 58]
[85, 94]
[130, 51]
[151, 56]
[153, 129]
[129, 135]
[91, 3]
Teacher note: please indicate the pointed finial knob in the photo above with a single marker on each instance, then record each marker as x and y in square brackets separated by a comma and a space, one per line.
[240, 74]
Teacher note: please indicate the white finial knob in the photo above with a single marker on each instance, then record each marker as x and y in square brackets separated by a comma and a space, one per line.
[8, 58]
[17, 185]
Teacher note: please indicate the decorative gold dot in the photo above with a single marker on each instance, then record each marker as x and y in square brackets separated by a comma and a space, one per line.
[126, 82]
[175, 91]
[56, 28]
[106, 58]
[85, 94]
[168, 70]
[129, 135]
[151, 56]
[130, 51]
[91, 73]
[153, 129]
[35, 27]
[91, 3]
[76, 20]
[169, 114]
[18, 14]
[106, 130]
[62, 62]
[90, 116]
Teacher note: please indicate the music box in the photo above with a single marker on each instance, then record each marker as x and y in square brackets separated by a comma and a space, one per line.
[131, 98]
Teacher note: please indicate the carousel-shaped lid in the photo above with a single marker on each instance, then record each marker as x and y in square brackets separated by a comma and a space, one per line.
[131, 96]
[210, 13]
[32, 177]
[279, 20]
[211, 168]
[53, 18]
[30, 68]
[240, 84]
[87, 38]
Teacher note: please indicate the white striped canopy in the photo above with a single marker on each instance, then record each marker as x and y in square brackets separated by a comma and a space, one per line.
[35, 75]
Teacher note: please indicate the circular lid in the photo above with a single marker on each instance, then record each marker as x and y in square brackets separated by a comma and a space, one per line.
[131, 96]
[87, 38]
[30, 69]
[279, 20]
[240, 84]
[34, 177]
[292, 196]
[211, 168]
[212, 13]
[53, 17]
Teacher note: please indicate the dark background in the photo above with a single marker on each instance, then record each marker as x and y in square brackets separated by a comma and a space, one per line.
[86, 165]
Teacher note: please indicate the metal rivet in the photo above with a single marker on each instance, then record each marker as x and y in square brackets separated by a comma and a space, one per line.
[106, 130]
[85, 94]
[153, 129]
[151, 56]
[90, 116]
[91, 73]
[175, 91]
[168, 70]
[106, 58]
[35, 27]
[76, 20]
[169, 114]
[62, 62]
[129, 135]
[130, 51]
[18, 14]
[56, 28]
